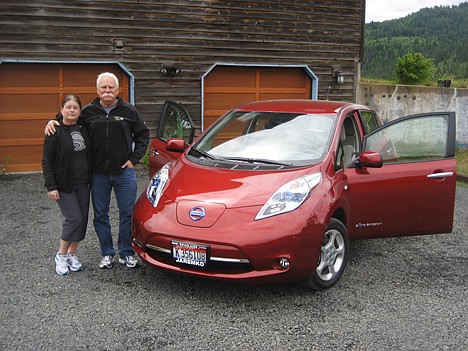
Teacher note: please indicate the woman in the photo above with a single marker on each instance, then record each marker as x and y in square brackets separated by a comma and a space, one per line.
[66, 168]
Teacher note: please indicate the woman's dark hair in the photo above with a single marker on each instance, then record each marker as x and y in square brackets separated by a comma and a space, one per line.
[71, 97]
[67, 98]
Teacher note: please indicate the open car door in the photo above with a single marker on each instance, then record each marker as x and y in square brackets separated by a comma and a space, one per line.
[413, 193]
[175, 123]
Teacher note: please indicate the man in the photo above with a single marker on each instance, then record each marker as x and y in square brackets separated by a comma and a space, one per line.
[119, 139]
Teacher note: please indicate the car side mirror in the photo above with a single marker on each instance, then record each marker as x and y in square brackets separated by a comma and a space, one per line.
[370, 159]
[176, 145]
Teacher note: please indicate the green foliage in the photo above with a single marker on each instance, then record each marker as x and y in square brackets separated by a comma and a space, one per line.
[462, 162]
[439, 33]
[414, 69]
[6, 161]
[144, 162]
[460, 83]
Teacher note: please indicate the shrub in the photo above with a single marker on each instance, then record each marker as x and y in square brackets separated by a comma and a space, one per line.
[414, 69]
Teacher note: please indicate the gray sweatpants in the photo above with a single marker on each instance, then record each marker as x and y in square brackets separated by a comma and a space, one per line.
[74, 207]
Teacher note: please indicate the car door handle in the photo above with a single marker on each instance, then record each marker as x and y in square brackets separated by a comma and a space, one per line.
[440, 175]
[154, 152]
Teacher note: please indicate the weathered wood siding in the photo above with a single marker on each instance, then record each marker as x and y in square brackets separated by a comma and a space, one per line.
[192, 34]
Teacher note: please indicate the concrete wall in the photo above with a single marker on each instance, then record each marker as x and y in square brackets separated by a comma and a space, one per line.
[393, 101]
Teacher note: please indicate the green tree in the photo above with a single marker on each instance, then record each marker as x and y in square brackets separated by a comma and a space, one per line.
[414, 69]
[439, 33]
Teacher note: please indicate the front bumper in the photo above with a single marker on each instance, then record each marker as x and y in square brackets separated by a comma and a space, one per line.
[241, 249]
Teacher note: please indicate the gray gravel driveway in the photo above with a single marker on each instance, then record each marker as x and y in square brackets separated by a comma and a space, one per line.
[396, 294]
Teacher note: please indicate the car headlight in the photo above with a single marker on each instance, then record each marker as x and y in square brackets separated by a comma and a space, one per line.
[290, 196]
[156, 185]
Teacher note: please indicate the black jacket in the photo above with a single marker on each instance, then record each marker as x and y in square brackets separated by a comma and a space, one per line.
[58, 156]
[116, 137]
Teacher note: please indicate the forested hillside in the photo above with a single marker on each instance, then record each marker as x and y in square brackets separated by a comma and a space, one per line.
[439, 33]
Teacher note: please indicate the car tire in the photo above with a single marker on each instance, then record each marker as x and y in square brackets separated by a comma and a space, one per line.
[332, 259]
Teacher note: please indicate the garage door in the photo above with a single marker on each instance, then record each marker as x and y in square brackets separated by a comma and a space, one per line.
[30, 95]
[226, 87]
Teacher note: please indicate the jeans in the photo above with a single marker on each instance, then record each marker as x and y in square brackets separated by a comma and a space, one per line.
[125, 190]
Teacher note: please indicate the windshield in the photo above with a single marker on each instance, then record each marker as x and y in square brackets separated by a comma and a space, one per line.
[287, 138]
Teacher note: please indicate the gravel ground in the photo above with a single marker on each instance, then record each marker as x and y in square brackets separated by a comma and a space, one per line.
[396, 294]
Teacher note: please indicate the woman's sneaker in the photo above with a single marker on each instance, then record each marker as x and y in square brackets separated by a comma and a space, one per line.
[106, 261]
[61, 264]
[73, 263]
[129, 261]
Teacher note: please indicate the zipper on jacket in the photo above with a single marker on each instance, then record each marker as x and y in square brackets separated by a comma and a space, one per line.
[107, 141]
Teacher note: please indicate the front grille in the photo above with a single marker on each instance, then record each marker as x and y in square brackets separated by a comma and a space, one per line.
[213, 266]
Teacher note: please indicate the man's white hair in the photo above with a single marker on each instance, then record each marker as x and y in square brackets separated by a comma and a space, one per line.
[107, 74]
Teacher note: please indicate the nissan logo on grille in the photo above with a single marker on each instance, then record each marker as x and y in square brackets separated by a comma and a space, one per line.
[197, 213]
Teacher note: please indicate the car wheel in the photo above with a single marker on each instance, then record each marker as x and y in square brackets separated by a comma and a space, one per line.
[333, 257]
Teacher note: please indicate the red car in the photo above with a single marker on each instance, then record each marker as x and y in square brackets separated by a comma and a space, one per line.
[274, 190]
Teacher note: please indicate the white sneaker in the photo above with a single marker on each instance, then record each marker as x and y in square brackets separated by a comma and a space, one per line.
[106, 261]
[61, 264]
[73, 263]
[129, 261]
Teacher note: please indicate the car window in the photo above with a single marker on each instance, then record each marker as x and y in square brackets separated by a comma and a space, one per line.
[411, 139]
[349, 145]
[369, 121]
[175, 122]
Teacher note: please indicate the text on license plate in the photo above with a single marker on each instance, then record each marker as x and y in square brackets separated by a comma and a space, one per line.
[187, 253]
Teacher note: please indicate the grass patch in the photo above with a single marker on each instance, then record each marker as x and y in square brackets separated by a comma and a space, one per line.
[462, 165]
[455, 83]
[462, 162]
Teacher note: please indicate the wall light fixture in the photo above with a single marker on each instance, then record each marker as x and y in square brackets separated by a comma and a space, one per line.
[170, 71]
[118, 43]
[338, 74]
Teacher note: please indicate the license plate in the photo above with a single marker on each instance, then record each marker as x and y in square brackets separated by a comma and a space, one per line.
[191, 254]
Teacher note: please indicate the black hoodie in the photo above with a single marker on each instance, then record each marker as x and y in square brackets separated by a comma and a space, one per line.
[59, 156]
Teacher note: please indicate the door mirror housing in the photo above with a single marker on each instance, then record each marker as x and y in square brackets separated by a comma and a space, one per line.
[176, 145]
[370, 159]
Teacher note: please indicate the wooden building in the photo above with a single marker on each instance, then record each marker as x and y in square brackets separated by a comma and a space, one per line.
[208, 55]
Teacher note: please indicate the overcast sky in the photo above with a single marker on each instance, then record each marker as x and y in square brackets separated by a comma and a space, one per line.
[382, 10]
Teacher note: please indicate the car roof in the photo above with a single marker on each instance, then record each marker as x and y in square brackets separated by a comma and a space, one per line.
[296, 106]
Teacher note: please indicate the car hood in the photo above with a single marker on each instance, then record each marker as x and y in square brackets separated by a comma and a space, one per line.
[232, 188]
[202, 193]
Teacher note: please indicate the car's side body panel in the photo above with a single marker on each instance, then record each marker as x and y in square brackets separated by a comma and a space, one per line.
[398, 200]
[159, 155]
